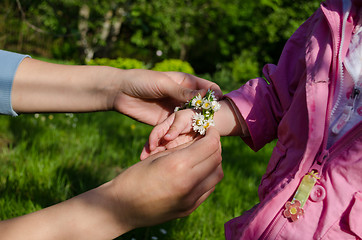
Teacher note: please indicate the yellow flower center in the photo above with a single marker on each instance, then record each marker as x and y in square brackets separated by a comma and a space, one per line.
[206, 125]
[207, 105]
[293, 210]
[198, 102]
[198, 122]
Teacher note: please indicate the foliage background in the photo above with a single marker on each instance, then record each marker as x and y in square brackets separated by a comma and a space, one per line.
[226, 40]
[46, 158]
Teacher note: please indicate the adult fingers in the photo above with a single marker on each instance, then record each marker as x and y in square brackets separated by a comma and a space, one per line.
[203, 148]
[200, 193]
[194, 205]
[205, 84]
[171, 88]
[203, 169]
[191, 86]
[209, 181]
[201, 83]
[203, 190]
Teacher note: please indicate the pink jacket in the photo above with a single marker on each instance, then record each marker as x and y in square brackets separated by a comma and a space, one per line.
[294, 107]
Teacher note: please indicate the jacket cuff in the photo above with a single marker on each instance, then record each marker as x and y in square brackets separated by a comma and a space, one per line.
[9, 63]
[253, 103]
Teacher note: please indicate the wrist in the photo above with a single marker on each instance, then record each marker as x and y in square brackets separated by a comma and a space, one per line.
[226, 120]
[115, 221]
[110, 84]
[120, 87]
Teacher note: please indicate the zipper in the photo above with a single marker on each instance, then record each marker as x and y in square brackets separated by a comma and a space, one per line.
[271, 228]
[336, 148]
[330, 110]
[346, 9]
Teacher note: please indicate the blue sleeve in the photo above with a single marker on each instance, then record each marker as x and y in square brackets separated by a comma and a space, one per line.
[9, 63]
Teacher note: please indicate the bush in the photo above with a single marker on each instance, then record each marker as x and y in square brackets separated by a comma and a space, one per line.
[174, 65]
[122, 63]
[231, 75]
[245, 67]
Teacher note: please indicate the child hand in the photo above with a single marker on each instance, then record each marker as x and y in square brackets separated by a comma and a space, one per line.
[174, 131]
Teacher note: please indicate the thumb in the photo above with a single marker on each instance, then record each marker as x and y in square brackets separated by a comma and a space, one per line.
[186, 94]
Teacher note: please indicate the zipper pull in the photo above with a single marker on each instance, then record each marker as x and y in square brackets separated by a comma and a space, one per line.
[294, 209]
[355, 97]
[343, 119]
[347, 112]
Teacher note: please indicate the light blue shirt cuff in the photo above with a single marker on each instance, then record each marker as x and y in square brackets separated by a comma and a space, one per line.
[9, 62]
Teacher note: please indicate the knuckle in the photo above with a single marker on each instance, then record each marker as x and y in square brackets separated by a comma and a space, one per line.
[179, 168]
[183, 187]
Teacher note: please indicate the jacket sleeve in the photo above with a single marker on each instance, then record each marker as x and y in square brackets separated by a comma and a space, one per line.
[9, 63]
[263, 102]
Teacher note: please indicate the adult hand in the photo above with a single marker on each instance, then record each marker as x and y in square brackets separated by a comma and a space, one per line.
[150, 96]
[169, 184]
[165, 186]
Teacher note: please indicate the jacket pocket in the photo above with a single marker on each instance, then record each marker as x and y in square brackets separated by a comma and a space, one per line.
[278, 155]
[348, 226]
[355, 215]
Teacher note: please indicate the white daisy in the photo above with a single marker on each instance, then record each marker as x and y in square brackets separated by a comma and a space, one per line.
[215, 105]
[206, 104]
[208, 123]
[198, 119]
[197, 102]
[198, 122]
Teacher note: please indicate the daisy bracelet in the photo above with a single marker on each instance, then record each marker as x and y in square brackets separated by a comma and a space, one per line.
[205, 108]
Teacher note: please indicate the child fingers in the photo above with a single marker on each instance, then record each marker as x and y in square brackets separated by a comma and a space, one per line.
[180, 140]
[181, 124]
[145, 151]
[159, 132]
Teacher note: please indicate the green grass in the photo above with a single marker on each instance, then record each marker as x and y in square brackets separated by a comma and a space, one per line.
[48, 158]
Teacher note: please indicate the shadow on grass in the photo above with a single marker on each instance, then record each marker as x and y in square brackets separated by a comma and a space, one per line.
[33, 191]
[68, 182]
[81, 178]
[239, 156]
[25, 127]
